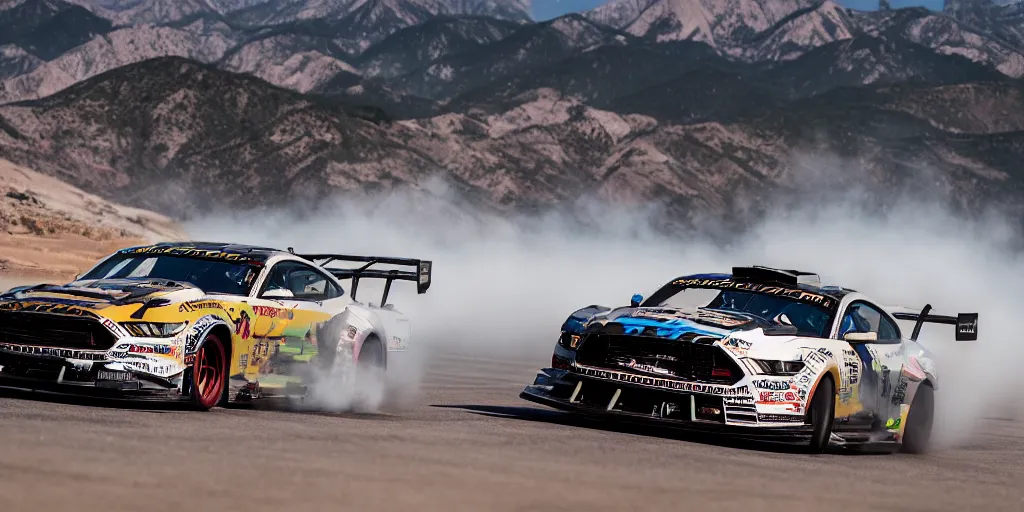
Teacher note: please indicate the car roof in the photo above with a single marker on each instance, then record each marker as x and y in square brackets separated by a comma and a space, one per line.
[214, 250]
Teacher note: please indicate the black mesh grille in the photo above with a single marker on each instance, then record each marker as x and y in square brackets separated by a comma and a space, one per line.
[46, 330]
[658, 357]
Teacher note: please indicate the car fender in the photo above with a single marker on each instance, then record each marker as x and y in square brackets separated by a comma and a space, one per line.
[577, 321]
[352, 325]
[195, 335]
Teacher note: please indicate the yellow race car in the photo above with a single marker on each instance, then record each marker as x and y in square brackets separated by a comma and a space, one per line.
[208, 323]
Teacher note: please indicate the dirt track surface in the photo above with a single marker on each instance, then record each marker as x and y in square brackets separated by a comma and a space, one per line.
[469, 443]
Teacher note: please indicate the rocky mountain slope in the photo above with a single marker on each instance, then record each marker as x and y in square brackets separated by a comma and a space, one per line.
[49, 227]
[443, 50]
[113, 50]
[48, 28]
[185, 138]
[705, 108]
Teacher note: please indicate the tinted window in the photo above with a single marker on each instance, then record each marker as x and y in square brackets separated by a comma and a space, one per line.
[212, 276]
[304, 281]
[861, 317]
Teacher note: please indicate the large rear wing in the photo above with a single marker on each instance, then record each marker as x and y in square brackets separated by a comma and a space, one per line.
[966, 323]
[420, 273]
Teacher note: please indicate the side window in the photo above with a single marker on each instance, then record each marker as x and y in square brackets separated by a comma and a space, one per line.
[303, 281]
[862, 317]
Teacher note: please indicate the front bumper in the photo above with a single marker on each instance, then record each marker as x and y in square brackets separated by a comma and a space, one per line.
[722, 409]
[90, 377]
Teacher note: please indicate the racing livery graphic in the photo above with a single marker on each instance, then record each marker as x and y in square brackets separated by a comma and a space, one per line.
[207, 323]
[760, 353]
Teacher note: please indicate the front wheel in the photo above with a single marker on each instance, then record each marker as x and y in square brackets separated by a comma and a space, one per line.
[209, 373]
[821, 413]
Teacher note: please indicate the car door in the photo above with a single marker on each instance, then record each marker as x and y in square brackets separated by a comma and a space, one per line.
[881, 360]
[292, 298]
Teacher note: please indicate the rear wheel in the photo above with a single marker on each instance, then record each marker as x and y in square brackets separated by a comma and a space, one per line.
[209, 373]
[821, 413]
[370, 385]
[917, 433]
[371, 355]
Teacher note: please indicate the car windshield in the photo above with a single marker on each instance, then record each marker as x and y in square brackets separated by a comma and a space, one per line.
[210, 275]
[808, 319]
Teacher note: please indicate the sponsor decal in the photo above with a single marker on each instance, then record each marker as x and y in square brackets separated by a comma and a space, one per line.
[893, 424]
[772, 385]
[65, 353]
[151, 368]
[272, 312]
[739, 400]
[645, 367]
[112, 327]
[708, 389]
[48, 307]
[914, 370]
[900, 393]
[243, 326]
[188, 251]
[737, 346]
[816, 361]
[703, 316]
[199, 330]
[396, 343]
[777, 397]
[189, 307]
[851, 368]
[163, 350]
[114, 375]
[781, 291]
[780, 418]
[243, 361]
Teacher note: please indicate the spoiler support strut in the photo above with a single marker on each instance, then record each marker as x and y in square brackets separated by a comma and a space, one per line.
[966, 323]
[421, 274]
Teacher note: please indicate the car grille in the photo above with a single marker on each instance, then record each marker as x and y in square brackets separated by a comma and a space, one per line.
[47, 330]
[658, 357]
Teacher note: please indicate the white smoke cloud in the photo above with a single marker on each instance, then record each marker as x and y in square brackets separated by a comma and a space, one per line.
[503, 284]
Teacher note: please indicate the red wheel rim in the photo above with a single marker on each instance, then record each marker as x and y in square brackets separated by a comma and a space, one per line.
[207, 372]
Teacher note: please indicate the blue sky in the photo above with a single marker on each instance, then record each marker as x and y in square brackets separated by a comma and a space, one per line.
[547, 9]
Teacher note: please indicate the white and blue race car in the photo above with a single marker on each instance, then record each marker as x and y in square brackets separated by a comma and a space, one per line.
[760, 353]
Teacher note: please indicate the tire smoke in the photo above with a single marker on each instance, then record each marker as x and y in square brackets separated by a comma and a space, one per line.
[504, 283]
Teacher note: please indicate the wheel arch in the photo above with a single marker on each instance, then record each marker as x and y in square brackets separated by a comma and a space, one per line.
[376, 336]
[833, 372]
[223, 332]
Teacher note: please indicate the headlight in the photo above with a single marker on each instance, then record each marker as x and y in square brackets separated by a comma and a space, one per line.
[569, 341]
[154, 329]
[778, 367]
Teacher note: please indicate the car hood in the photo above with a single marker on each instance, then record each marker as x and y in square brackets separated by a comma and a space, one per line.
[675, 323]
[97, 294]
[738, 332]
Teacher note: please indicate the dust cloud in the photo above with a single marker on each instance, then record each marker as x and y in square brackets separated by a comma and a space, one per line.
[504, 283]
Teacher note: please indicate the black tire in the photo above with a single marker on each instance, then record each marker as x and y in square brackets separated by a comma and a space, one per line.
[821, 414]
[371, 355]
[917, 434]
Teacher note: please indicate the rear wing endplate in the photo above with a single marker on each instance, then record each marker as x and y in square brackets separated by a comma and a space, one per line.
[420, 272]
[966, 323]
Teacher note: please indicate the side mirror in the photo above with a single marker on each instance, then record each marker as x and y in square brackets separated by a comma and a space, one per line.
[635, 300]
[278, 293]
[861, 337]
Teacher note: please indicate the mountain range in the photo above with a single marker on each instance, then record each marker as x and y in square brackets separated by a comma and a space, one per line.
[700, 106]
